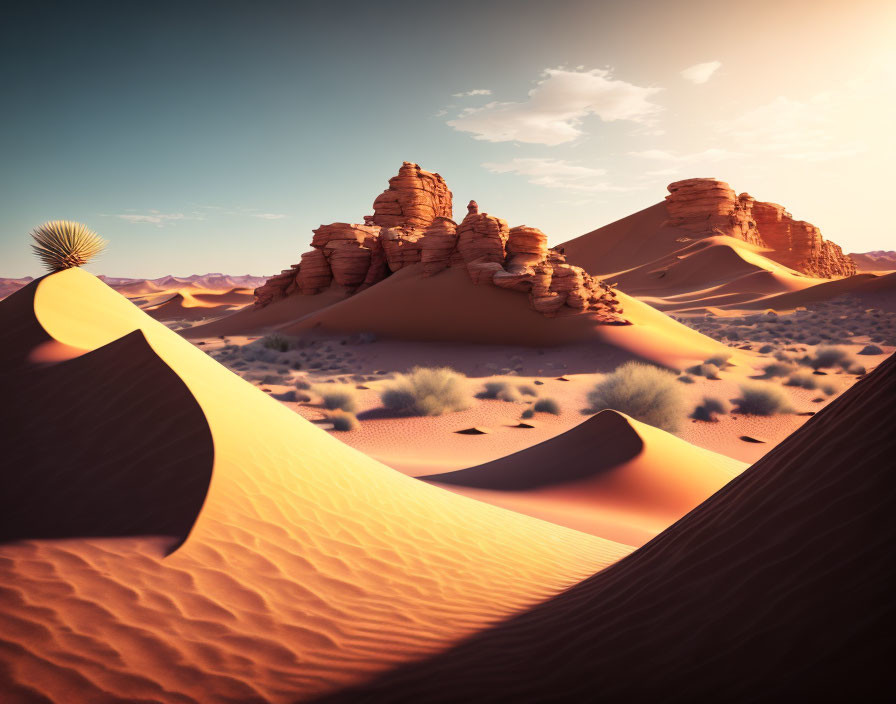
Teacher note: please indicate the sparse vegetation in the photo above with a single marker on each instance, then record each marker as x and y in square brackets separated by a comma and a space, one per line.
[710, 371]
[686, 379]
[276, 342]
[343, 421]
[709, 408]
[427, 391]
[546, 405]
[528, 413]
[63, 244]
[778, 369]
[871, 349]
[762, 399]
[499, 390]
[338, 397]
[642, 391]
[527, 390]
[828, 356]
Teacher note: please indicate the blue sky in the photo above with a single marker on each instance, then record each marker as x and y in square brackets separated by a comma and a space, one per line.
[214, 136]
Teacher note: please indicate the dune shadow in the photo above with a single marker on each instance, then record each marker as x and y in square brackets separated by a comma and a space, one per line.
[109, 443]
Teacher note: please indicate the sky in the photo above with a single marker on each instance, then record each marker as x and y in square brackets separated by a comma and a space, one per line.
[214, 136]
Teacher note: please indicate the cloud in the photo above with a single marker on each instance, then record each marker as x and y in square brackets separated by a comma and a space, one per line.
[555, 173]
[701, 73]
[477, 91]
[154, 217]
[791, 129]
[556, 106]
[704, 156]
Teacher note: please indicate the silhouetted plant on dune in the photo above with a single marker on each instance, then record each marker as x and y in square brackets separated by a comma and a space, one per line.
[427, 391]
[642, 391]
[62, 244]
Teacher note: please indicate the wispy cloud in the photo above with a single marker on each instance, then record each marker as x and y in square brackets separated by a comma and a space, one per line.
[556, 106]
[701, 73]
[153, 217]
[475, 91]
[555, 173]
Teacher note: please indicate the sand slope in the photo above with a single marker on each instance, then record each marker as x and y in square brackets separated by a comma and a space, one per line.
[448, 307]
[251, 320]
[777, 588]
[672, 270]
[871, 289]
[612, 476]
[309, 565]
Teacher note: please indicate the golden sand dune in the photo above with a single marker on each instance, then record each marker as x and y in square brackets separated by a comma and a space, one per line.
[251, 320]
[612, 476]
[196, 305]
[871, 289]
[308, 567]
[779, 587]
[448, 307]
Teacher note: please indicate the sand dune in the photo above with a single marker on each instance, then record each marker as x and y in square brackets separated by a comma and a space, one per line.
[195, 305]
[612, 476]
[251, 320]
[874, 290]
[448, 307]
[672, 270]
[308, 567]
[777, 588]
[117, 417]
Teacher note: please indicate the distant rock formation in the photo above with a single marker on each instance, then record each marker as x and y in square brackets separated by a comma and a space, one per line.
[708, 207]
[412, 224]
[877, 260]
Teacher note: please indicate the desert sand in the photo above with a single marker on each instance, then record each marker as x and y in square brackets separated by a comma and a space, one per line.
[778, 586]
[308, 566]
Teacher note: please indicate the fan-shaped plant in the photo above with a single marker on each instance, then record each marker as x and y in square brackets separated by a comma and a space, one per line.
[62, 244]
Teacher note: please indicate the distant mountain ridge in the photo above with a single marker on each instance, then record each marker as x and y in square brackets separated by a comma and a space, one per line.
[212, 280]
[876, 260]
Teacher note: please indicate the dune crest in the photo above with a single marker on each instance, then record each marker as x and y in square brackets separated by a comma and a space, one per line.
[611, 475]
[309, 566]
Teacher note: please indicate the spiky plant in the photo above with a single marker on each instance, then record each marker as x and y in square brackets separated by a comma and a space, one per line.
[62, 244]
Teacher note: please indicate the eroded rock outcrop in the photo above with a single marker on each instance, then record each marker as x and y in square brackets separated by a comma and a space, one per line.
[707, 207]
[415, 198]
[412, 224]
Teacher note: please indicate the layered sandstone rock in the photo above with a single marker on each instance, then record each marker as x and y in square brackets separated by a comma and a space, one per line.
[707, 207]
[414, 198]
[411, 224]
[799, 244]
[481, 237]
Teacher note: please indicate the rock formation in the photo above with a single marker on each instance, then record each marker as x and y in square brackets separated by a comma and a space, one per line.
[415, 198]
[412, 224]
[708, 207]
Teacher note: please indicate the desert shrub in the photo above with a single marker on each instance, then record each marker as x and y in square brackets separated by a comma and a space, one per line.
[762, 399]
[709, 408]
[499, 390]
[285, 396]
[426, 391]
[62, 244]
[803, 379]
[338, 397]
[719, 360]
[686, 379]
[830, 356]
[827, 387]
[765, 349]
[644, 392]
[546, 405]
[276, 342]
[776, 369]
[343, 421]
[710, 371]
[528, 413]
[857, 369]
[302, 384]
[272, 379]
[527, 390]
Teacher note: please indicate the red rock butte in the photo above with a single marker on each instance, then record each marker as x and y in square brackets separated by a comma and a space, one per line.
[707, 207]
[411, 224]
